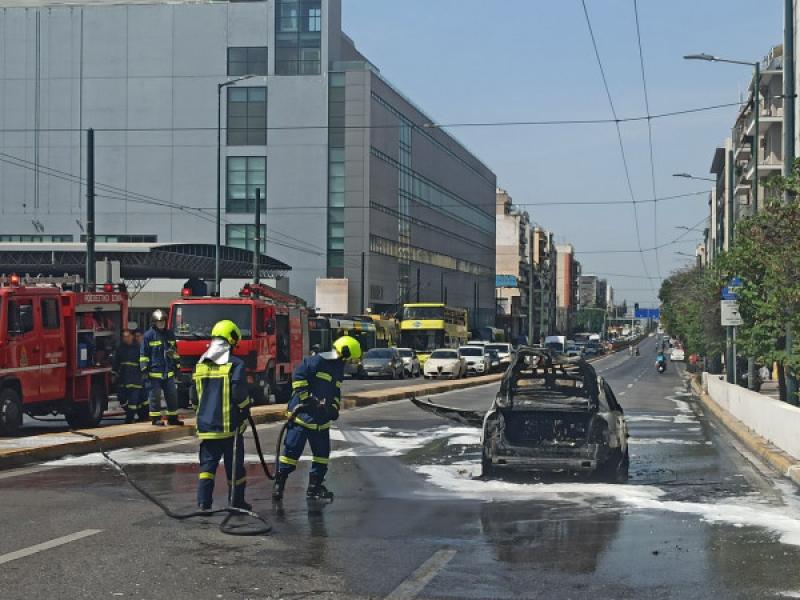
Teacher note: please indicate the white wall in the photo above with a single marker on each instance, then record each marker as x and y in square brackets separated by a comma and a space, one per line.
[772, 419]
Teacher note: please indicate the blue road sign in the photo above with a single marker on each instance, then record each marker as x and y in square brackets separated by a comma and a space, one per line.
[735, 282]
[729, 293]
[647, 313]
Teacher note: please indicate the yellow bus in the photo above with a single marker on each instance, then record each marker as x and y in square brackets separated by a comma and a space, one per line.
[425, 327]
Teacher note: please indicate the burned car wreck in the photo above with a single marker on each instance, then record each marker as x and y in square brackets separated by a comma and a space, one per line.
[552, 414]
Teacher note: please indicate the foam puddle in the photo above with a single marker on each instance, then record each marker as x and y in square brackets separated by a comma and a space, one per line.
[458, 478]
[677, 441]
[132, 456]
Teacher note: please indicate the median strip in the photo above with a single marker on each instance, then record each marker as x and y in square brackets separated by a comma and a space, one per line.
[15, 452]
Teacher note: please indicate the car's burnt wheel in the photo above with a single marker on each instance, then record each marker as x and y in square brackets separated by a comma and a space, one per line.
[487, 468]
[616, 468]
[10, 412]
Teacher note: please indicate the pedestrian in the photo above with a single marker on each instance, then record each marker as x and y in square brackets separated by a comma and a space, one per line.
[159, 360]
[764, 373]
[130, 386]
[317, 392]
[222, 405]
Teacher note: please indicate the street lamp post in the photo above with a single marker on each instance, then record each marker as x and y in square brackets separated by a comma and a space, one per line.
[218, 245]
[689, 176]
[756, 108]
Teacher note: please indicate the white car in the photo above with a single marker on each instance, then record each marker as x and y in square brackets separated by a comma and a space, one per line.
[410, 362]
[445, 363]
[505, 352]
[677, 354]
[476, 359]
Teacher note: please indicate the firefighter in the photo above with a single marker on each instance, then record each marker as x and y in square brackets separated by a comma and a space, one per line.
[159, 360]
[130, 388]
[316, 385]
[221, 393]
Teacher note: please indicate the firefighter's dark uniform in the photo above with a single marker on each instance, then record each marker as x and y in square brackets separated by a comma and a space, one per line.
[159, 361]
[130, 383]
[321, 379]
[222, 408]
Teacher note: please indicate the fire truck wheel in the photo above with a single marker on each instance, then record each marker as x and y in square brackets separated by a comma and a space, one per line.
[88, 414]
[10, 411]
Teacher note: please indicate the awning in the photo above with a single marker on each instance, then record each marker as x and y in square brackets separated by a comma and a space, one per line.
[137, 261]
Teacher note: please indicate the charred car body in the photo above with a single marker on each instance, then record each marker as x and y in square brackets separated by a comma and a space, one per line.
[552, 414]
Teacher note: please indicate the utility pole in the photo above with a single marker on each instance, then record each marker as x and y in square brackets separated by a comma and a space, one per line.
[91, 274]
[257, 240]
[789, 152]
[530, 297]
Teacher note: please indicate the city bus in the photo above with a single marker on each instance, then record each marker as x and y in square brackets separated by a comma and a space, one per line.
[428, 326]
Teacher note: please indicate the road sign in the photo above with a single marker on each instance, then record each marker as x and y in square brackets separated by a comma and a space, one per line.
[735, 282]
[729, 310]
[647, 313]
[729, 293]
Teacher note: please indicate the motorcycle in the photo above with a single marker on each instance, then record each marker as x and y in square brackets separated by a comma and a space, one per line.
[661, 367]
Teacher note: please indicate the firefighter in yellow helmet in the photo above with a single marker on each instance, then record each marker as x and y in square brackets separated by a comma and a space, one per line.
[222, 404]
[317, 393]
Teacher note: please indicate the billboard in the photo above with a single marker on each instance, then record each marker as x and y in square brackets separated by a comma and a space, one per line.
[331, 296]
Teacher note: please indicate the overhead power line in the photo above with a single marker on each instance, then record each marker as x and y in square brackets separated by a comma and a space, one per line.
[649, 133]
[619, 137]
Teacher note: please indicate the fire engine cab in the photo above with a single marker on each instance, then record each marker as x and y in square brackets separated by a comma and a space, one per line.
[274, 328]
[56, 349]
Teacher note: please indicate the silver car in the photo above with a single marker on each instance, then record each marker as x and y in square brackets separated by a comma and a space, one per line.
[476, 359]
[411, 362]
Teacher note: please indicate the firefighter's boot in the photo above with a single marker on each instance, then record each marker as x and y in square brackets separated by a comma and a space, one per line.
[157, 421]
[174, 420]
[279, 486]
[130, 416]
[317, 491]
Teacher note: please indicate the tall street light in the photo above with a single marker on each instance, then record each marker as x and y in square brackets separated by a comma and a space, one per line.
[756, 108]
[218, 245]
[689, 176]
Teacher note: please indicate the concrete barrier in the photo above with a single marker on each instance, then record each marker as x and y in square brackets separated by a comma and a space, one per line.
[773, 420]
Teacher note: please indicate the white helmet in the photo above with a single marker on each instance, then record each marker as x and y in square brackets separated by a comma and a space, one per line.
[159, 315]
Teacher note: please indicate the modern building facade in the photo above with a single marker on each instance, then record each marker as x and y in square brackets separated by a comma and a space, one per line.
[568, 270]
[355, 181]
[543, 261]
[512, 264]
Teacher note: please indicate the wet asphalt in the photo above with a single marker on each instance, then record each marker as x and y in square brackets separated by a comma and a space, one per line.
[699, 518]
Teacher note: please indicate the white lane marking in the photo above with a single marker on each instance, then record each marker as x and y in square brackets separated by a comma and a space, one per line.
[30, 550]
[630, 385]
[422, 576]
[622, 393]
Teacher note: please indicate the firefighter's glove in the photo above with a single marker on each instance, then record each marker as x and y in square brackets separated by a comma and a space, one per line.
[310, 403]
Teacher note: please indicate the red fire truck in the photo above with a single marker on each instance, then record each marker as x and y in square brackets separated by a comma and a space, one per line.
[274, 341]
[56, 349]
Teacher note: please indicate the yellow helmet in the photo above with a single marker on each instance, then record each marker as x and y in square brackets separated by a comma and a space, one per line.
[347, 347]
[228, 331]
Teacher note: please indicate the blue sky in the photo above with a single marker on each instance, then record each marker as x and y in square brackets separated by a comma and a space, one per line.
[507, 60]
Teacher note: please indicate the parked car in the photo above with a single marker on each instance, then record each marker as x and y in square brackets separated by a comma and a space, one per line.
[382, 362]
[475, 358]
[677, 354]
[550, 415]
[573, 351]
[410, 362]
[504, 351]
[494, 361]
[445, 362]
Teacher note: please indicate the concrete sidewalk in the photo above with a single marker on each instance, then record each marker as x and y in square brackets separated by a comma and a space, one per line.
[49, 446]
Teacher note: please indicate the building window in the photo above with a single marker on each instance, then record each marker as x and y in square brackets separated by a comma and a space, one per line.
[24, 238]
[243, 236]
[247, 116]
[247, 60]
[298, 37]
[245, 174]
[124, 238]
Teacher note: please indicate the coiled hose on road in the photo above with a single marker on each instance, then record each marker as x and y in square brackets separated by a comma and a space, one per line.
[226, 526]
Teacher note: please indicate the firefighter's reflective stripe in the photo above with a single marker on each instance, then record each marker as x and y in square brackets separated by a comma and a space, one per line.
[129, 364]
[205, 475]
[324, 376]
[239, 481]
[155, 413]
[288, 461]
[339, 384]
[161, 375]
[299, 383]
[320, 460]
[133, 386]
[143, 359]
[153, 343]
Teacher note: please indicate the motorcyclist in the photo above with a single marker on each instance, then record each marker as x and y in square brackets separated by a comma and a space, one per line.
[661, 361]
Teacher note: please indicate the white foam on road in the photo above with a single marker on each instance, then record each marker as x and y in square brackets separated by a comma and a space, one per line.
[676, 441]
[460, 479]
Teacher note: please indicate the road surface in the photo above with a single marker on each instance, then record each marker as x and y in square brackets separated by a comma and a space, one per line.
[699, 519]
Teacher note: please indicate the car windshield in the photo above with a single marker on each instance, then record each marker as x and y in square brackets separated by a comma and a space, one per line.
[467, 351]
[195, 320]
[378, 353]
[445, 354]
[406, 353]
[499, 347]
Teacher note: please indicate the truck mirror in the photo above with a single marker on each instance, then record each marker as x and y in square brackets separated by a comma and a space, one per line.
[269, 326]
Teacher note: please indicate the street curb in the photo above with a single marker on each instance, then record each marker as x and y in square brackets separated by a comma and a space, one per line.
[777, 459]
[115, 437]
